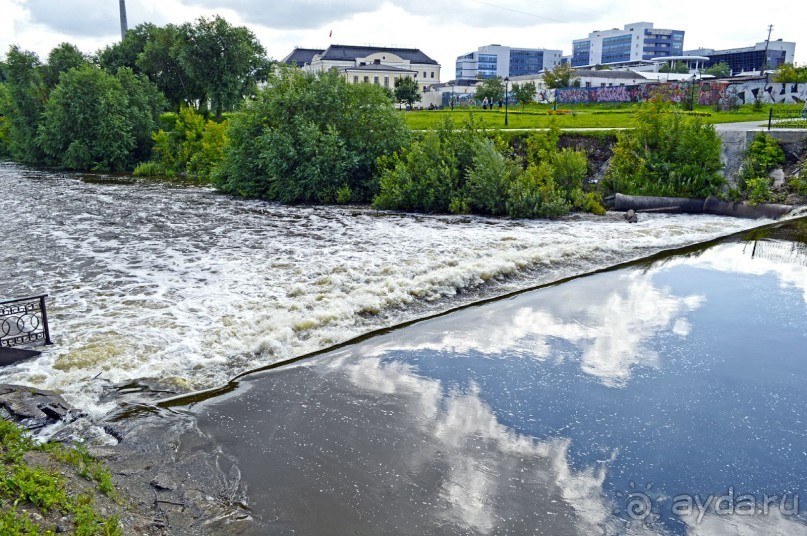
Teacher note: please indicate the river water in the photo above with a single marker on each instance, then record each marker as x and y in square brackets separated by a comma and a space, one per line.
[180, 288]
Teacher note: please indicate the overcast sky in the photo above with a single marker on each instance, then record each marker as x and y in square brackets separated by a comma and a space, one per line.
[443, 29]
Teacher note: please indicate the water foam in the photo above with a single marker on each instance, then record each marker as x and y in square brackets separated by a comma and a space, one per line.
[189, 287]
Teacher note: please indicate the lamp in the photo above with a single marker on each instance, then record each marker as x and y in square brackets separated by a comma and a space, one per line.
[506, 97]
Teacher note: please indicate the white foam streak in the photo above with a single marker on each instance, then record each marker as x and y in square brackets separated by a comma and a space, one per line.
[191, 288]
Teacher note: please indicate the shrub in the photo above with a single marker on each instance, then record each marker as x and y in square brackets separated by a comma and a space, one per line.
[432, 173]
[306, 136]
[759, 190]
[148, 169]
[534, 194]
[799, 184]
[668, 154]
[489, 181]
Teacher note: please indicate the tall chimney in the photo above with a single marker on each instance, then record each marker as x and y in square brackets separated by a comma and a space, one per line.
[123, 25]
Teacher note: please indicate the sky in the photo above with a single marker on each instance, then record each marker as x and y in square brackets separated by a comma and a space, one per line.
[442, 29]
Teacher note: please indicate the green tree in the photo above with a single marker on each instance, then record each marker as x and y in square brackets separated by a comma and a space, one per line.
[127, 51]
[309, 138]
[27, 96]
[86, 124]
[225, 60]
[721, 69]
[491, 89]
[407, 91]
[561, 75]
[145, 103]
[5, 122]
[667, 154]
[161, 59]
[524, 93]
[678, 67]
[787, 73]
[61, 59]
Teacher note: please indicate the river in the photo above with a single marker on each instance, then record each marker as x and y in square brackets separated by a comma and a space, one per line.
[160, 286]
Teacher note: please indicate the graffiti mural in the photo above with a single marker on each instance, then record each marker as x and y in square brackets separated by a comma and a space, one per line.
[708, 93]
[771, 93]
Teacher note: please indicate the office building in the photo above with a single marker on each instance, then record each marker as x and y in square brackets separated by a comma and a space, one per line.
[770, 54]
[635, 43]
[491, 61]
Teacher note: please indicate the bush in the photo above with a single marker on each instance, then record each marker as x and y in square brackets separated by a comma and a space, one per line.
[534, 194]
[759, 190]
[306, 136]
[193, 145]
[668, 154]
[431, 175]
[763, 155]
[148, 169]
[489, 181]
[96, 121]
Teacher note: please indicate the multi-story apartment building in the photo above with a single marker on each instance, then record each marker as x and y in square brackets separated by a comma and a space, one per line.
[635, 43]
[491, 61]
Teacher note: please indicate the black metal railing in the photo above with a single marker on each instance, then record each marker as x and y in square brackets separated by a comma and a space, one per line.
[787, 118]
[24, 321]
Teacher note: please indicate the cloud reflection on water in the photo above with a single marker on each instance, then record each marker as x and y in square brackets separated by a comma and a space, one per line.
[489, 468]
[610, 327]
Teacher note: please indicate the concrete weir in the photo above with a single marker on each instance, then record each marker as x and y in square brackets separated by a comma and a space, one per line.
[736, 140]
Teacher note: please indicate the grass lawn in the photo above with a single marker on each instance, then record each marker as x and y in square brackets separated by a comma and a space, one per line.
[581, 116]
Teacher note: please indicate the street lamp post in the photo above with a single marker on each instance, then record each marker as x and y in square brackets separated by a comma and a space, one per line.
[451, 102]
[506, 97]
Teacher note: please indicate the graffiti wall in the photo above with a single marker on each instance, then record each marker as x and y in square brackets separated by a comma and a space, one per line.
[771, 93]
[708, 93]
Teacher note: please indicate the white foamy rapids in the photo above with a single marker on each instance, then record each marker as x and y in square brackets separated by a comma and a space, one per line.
[189, 287]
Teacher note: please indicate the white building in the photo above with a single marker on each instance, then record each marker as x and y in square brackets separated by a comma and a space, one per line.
[503, 61]
[637, 42]
[382, 66]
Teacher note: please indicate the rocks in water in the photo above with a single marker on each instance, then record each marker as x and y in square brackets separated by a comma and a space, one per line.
[33, 408]
[631, 216]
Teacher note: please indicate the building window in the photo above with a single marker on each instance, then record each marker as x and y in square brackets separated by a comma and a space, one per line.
[366, 79]
[424, 74]
[424, 89]
[356, 79]
[386, 81]
[432, 74]
[375, 80]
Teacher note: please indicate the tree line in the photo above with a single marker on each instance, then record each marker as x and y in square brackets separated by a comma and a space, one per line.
[274, 132]
[99, 112]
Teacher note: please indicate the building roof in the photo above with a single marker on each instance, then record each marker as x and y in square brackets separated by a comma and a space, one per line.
[379, 67]
[351, 53]
[605, 73]
[301, 56]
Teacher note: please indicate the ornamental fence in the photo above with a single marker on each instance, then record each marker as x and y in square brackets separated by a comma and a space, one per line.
[24, 321]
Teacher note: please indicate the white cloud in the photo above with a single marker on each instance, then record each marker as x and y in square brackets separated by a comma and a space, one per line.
[442, 29]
